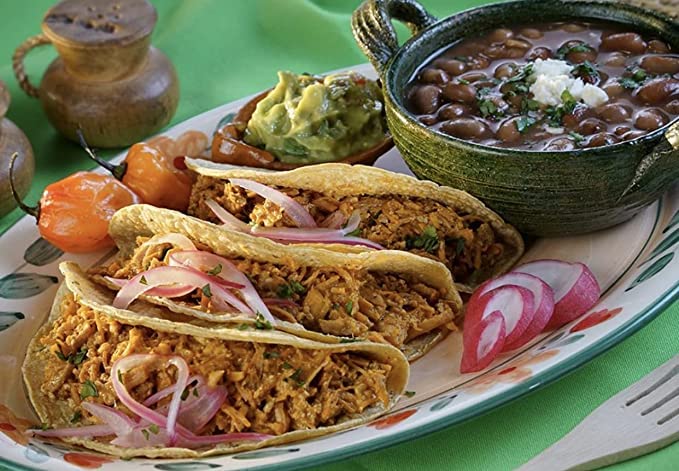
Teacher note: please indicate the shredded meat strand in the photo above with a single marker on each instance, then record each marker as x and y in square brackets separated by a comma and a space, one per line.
[272, 389]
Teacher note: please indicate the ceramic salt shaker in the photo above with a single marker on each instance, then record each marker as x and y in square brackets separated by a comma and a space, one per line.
[108, 80]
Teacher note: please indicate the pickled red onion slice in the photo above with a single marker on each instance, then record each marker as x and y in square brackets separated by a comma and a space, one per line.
[292, 208]
[86, 431]
[120, 423]
[168, 275]
[482, 342]
[169, 291]
[228, 219]
[209, 261]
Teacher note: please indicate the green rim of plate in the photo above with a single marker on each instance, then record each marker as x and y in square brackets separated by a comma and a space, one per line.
[534, 383]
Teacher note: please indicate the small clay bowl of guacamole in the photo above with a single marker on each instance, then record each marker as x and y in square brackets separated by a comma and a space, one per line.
[306, 120]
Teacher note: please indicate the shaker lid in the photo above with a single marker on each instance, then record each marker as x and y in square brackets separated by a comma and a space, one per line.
[4, 99]
[99, 22]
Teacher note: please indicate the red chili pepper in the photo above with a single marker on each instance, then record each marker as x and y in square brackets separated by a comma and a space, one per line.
[73, 213]
[151, 174]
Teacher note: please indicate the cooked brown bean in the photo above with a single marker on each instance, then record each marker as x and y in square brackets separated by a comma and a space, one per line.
[473, 76]
[630, 42]
[460, 92]
[531, 33]
[660, 64]
[613, 89]
[616, 59]
[591, 126]
[451, 66]
[465, 128]
[478, 62]
[621, 130]
[573, 27]
[452, 111]
[602, 139]
[502, 52]
[580, 57]
[543, 53]
[518, 43]
[614, 113]
[505, 70]
[436, 76]
[628, 136]
[426, 98]
[508, 132]
[560, 143]
[650, 119]
[500, 35]
[657, 91]
[673, 107]
[657, 47]
[428, 119]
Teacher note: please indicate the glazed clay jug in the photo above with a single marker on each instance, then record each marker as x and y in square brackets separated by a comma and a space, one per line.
[13, 140]
[108, 80]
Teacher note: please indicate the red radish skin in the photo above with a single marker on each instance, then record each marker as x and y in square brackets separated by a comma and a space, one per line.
[543, 302]
[514, 302]
[575, 288]
[482, 342]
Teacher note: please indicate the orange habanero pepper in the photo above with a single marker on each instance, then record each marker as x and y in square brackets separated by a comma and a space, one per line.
[73, 213]
[151, 174]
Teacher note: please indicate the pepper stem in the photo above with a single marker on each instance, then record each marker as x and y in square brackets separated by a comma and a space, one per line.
[118, 171]
[32, 210]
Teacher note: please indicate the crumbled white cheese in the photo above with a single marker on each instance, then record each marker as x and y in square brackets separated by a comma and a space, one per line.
[593, 96]
[551, 77]
[551, 67]
[552, 130]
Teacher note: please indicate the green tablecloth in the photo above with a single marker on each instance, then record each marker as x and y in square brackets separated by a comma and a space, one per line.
[225, 49]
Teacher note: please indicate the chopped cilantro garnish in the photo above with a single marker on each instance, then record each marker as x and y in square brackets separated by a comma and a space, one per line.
[585, 69]
[523, 123]
[569, 101]
[145, 433]
[143, 281]
[207, 291]
[73, 358]
[349, 306]
[428, 240]
[216, 270]
[286, 365]
[564, 50]
[459, 247]
[522, 74]
[409, 393]
[461, 58]
[153, 428]
[464, 81]
[345, 340]
[287, 290]
[185, 393]
[487, 108]
[195, 392]
[639, 75]
[61, 356]
[88, 390]
[355, 233]
[296, 376]
[76, 417]
[528, 104]
[269, 355]
[120, 376]
[244, 327]
[577, 137]
[627, 82]
[44, 426]
[262, 323]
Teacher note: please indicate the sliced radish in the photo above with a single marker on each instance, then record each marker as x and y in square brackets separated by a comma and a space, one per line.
[515, 303]
[576, 289]
[543, 302]
[482, 341]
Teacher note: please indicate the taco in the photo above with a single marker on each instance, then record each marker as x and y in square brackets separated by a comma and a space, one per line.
[148, 382]
[386, 210]
[197, 269]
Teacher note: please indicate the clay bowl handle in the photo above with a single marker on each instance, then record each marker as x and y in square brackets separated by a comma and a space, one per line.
[660, 166]
[372, 28]
[18, 62]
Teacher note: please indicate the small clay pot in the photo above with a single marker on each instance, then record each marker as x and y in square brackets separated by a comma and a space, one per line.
[228, 145]
[108, 80]
[13, 140]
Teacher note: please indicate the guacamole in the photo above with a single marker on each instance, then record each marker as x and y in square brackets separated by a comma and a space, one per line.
[307, 119]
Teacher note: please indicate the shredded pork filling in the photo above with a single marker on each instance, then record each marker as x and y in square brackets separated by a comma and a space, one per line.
[272, 389]
[463, 242]
[380, 307]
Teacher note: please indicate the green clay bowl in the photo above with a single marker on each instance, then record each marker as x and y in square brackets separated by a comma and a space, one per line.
[542, 193]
